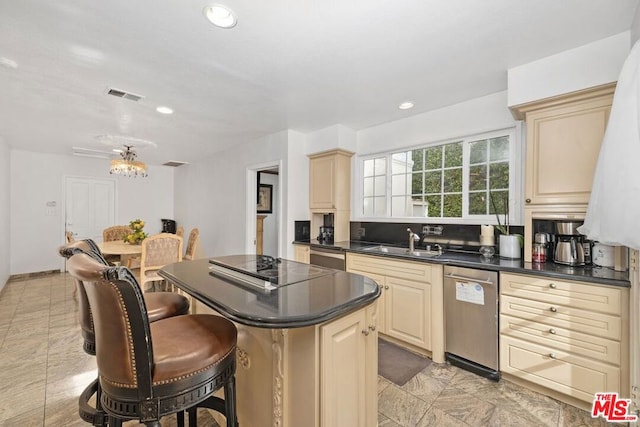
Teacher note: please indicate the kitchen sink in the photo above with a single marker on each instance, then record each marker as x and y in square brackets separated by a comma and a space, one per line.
[401, 251]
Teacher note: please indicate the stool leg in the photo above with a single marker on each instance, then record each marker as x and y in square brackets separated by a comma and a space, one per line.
[180, 418]
[230, 402]
[193, 416]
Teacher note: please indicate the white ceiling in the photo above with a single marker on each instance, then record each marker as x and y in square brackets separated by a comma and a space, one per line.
[288, 64]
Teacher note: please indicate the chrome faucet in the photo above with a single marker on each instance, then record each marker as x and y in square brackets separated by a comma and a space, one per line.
[413, 237]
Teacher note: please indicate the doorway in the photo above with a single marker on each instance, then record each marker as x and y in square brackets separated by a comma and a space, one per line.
[90, 207]
[264, 209]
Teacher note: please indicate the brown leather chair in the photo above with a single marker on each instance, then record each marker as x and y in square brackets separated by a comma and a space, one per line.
[149, 370]
[160, 305]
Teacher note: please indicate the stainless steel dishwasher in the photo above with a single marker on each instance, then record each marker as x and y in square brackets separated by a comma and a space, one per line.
[471, 320]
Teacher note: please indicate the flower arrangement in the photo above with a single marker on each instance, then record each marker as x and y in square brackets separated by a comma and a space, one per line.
[138, 234]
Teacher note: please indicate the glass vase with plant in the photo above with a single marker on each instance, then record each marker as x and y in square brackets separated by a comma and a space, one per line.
[137, 235]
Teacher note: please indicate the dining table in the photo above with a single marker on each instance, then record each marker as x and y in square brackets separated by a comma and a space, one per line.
[126, 251]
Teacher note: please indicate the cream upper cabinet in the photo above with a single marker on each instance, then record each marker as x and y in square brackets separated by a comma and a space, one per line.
[349, 370]
[564, 135]
[330, 180]
[570, 337]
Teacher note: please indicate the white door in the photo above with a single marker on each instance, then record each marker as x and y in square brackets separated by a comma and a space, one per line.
[89, 207]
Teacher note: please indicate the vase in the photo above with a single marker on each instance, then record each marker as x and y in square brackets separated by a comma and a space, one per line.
[509, 246]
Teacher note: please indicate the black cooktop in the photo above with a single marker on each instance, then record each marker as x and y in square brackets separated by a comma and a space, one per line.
[265, 271]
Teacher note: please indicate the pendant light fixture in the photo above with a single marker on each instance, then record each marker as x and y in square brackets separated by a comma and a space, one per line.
[128, 165]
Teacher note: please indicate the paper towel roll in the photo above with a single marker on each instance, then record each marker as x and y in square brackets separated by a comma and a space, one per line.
[487, 241]
[486, 230]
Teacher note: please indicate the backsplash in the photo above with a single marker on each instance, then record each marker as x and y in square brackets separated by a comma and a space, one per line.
[454, 236]
[302, 230]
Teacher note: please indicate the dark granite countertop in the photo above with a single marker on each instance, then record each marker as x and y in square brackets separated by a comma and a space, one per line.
[599, 275]
[300, 304]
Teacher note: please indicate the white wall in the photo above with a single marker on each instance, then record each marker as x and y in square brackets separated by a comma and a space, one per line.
[5, 170]
[586, 66]
[330, 138]
[466, 118]
[211, 194]
[37, 178]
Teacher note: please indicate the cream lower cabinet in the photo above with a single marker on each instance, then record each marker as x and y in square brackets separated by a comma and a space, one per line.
[302, 253]
[411, 303]
[349, 370]
[569, 337]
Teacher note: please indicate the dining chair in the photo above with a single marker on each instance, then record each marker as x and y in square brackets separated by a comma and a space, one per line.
[158, 251]
[192, 244]
[149, 370]
[68, 235]
[112, 234]
[180, 231]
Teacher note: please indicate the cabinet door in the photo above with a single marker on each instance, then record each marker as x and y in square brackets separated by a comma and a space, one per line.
[322, 172]
[563, 143]
[301, 253]
[408, 316]
[343, 371]
[381, 323]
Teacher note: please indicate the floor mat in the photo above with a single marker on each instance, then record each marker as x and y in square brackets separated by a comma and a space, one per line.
[397, 364]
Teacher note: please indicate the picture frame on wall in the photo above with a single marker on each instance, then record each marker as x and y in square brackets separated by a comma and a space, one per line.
[265, 198]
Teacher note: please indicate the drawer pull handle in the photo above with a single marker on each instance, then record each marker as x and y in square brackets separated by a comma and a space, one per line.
[386, 287]
[552, 285]
[372, 327]
[528, 200]
[365, 332]
[553, 309]
[552, 356]
[552, 331]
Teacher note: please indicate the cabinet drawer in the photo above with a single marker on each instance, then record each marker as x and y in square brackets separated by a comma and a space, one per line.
[606, 299]
[569, 374]
[562, 339]
[553, 315]
[417, 271]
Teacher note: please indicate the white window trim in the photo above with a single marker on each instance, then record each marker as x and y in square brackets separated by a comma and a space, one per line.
[516, 183]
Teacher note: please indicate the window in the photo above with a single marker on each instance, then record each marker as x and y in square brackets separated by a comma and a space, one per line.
[467, 179]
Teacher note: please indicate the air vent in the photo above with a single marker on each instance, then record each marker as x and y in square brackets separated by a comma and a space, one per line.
[174, 163]
[122, 94]
[87, 152]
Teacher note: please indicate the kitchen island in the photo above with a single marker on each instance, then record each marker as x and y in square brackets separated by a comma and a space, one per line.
[307, 349]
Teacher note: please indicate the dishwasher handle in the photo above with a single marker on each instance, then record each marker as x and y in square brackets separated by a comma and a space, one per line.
[328, 254]
[469, 279]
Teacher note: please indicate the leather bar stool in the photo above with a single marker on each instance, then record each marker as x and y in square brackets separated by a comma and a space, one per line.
[148, 370]
[160, 305]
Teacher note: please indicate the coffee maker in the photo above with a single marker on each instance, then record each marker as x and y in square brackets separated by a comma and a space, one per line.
[326, 230]
[569, 248]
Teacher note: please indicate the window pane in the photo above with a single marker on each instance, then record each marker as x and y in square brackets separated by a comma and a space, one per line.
[478, 152]
[498, 202]
[416, 183]
[379, 187]
[478, 177]
[368, 187]
[478, 203]
[380, 166]
[499, 177]
[453, 155]
[433, 158]
[400, 185]
[432, 182]
[499, 148]
[399, 206]
[453, 180]
[434, 205]
[367, 204]
[418, 159]
[452, 205]
[380, 206]
[399, 163]
[368, 167]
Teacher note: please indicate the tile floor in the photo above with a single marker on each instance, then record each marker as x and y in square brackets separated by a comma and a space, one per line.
[43, 369]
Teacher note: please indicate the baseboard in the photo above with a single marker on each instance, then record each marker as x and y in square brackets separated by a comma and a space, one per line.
[33, 275]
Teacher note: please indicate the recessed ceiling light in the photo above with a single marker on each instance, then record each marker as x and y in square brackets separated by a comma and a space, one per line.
[405, 105]
[164, 110]
[8, 63]
[220, 16]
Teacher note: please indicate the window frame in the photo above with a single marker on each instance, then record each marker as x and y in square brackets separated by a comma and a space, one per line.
[516, 180]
